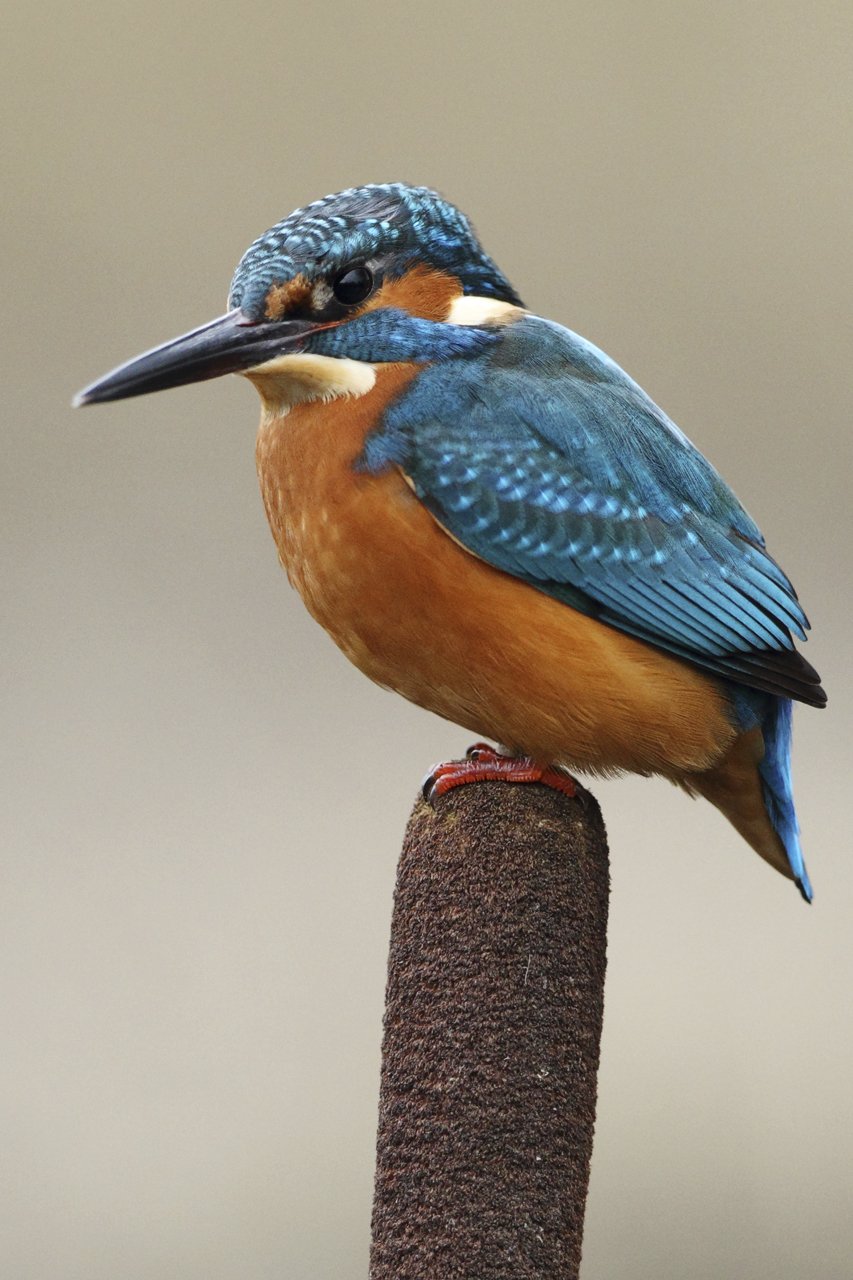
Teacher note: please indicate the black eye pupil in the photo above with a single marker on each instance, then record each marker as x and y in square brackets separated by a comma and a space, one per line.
[353, 285]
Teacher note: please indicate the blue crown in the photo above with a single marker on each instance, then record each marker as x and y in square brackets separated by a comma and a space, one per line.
[393, 223]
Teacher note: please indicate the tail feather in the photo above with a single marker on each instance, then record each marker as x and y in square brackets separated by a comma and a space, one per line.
[775, 773]
[751, 785]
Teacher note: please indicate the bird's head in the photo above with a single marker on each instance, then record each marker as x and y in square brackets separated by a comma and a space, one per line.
[373, 275]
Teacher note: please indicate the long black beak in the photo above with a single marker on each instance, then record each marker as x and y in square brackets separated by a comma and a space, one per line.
[228, 344]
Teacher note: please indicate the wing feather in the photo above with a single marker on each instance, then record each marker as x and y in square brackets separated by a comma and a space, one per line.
[547, 461]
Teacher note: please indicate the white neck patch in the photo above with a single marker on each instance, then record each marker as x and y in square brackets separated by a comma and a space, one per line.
[474, 311]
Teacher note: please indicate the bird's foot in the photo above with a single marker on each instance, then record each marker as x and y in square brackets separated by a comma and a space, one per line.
[483, 764]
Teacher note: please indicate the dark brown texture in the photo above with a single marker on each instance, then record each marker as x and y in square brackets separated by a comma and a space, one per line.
[492, 1030]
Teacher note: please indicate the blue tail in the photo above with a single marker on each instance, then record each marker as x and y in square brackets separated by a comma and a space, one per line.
[775, 773]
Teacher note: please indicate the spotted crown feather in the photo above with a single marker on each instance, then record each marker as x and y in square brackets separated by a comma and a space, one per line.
[395, 222]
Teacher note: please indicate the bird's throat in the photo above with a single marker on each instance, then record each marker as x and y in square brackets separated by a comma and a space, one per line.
[289, 380]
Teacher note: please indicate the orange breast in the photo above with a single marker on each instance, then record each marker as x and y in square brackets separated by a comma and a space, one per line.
[419, 614]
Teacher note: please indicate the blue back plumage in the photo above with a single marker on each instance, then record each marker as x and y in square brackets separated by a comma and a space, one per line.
[544, 458]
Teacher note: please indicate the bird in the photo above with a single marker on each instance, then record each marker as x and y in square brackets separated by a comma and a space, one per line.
[490, 517]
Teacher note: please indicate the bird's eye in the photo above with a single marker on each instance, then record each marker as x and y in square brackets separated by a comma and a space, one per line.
[353, 285]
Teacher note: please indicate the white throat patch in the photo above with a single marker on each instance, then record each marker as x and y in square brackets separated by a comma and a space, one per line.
[286, 381]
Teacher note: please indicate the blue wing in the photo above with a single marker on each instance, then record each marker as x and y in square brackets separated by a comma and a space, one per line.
[545, 459]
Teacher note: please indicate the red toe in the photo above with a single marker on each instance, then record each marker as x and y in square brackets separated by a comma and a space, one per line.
[483, 763]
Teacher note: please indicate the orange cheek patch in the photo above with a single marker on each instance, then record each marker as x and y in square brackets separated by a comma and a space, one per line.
[422, 291]
[285, 298]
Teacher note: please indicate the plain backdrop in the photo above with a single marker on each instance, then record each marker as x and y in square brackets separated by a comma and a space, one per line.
[203, 802]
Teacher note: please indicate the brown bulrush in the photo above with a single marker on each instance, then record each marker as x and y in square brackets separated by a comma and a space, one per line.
[492, 1030]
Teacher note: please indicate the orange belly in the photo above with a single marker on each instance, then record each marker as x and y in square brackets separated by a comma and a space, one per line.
[419, 614]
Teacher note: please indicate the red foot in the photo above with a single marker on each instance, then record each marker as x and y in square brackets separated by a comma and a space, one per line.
[483, 764]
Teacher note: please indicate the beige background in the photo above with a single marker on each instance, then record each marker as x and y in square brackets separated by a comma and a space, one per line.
[203, 802]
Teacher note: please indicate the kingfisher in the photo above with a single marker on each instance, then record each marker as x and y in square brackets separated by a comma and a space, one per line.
[489, 516]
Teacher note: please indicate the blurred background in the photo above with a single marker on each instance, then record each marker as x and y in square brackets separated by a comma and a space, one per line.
[204, 803]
